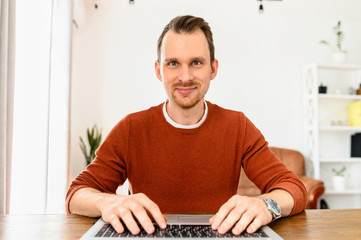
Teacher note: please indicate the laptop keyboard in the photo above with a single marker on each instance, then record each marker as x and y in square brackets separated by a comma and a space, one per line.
[177, 231]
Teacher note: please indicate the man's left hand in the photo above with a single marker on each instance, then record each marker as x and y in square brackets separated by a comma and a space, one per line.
[241, 213]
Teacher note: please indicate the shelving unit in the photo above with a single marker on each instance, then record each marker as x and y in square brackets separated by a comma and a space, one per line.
[327, 134]
[340, 160]
[355, 191]
[340, 96]
[340, 128]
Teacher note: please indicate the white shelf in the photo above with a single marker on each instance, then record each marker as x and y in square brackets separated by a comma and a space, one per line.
[311, 97]
[328, 145]
[311, 128]
[340, 160]
[339, 96]
[346, 67]
[343, 192]
[340, 128]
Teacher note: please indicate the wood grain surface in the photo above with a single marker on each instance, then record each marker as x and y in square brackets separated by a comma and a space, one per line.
[311, 224]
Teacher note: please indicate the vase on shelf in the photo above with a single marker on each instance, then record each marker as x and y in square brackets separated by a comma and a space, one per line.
[339, 56]
[339, 183]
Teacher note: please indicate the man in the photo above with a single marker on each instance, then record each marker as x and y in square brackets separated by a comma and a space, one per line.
[185, 155]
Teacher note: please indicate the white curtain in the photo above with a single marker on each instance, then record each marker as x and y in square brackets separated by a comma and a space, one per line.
[41, 106]
[59, 107]
[7, 54]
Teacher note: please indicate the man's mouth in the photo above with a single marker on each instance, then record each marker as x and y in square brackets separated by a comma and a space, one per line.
[185, 90]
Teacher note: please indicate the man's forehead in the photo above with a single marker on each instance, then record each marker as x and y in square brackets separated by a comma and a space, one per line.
[193, 44]
[172, 35]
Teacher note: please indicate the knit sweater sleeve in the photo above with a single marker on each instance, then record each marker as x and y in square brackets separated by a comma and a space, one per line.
[108, 169]
[265, 169]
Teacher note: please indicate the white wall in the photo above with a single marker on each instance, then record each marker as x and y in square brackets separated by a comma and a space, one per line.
[261, 58]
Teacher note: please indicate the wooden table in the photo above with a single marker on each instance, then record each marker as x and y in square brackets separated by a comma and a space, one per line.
[321, 224]
[311, 224]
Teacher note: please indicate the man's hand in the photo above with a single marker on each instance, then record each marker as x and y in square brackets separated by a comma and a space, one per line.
[93, 203]
[129, 209]
[241, 213]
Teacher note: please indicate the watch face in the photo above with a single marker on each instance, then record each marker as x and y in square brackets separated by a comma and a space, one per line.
[274, 208]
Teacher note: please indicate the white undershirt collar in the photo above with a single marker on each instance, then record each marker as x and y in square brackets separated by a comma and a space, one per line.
[177, 125]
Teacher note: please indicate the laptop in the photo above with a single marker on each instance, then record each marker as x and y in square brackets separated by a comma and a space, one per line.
[178, 226]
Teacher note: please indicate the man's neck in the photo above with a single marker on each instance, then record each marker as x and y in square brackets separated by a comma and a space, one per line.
[183, 116]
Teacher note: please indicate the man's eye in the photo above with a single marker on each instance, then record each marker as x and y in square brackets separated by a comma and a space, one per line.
[196, 63]
[173, 64]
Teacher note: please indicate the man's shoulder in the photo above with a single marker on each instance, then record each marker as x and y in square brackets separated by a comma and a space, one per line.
[137, 120]
[225, 112]
[146, 115]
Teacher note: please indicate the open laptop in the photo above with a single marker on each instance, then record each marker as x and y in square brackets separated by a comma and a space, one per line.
[178, 226]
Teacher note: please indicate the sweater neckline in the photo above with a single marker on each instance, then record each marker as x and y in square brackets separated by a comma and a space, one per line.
[177, 125]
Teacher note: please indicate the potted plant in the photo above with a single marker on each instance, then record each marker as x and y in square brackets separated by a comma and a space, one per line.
[339, 55]
[94, 136]
[339, 179]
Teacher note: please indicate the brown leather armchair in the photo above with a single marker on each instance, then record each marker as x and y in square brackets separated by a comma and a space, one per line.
[294, 161]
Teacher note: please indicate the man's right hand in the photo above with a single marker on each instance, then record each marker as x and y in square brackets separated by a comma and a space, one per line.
[127, 208]
[113, 208]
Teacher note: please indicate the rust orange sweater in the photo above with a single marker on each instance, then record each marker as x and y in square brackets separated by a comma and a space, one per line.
[187, 170]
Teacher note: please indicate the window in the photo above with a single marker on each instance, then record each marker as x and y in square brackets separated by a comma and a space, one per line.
[41, 106]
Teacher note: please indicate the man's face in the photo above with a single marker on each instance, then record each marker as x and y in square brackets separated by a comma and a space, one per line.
[185, 67]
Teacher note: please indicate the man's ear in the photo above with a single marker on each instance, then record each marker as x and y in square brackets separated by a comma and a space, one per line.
[157, 70]
[214, 68]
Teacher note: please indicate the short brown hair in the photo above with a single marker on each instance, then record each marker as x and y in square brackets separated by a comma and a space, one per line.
[188, 24]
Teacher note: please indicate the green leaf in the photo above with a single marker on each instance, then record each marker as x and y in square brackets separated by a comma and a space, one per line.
[339, 37]
[339, 172]
[94, 137]
[83, 147]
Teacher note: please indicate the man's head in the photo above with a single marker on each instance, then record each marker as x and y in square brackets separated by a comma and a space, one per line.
[186, 62]
[188, 24]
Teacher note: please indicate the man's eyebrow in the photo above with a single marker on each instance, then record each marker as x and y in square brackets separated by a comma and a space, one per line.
[199, 59]
[167, 60]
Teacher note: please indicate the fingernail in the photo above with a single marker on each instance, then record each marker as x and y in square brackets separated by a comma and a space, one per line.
[221, 230]
[150, 229]
[163, 225]
[214, 226]
[135, 230]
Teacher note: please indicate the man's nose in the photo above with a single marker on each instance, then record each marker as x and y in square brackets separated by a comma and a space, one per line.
[185, 74]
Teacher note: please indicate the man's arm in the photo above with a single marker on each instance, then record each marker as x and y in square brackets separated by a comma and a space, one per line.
[250, 213]
[93, 203]
[270, 175]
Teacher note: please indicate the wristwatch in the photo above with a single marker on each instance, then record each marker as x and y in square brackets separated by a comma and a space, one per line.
[273, 207]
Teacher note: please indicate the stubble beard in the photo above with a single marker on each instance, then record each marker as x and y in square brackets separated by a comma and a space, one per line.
[183, 101]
